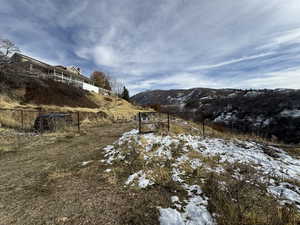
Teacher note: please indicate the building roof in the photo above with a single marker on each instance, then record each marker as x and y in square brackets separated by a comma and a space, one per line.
[31, 59]
[59, 68]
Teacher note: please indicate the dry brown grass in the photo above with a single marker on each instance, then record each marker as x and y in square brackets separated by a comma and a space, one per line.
[176, 129]
[246, 201]
[210, 131]
[162, 176]
[43, 180]
[292, 150]
[8, 121]
[117, 108]
[111, 109]
[194, 155]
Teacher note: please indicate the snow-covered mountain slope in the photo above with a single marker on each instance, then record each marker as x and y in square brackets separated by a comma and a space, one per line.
[186, 160]
[268, 113]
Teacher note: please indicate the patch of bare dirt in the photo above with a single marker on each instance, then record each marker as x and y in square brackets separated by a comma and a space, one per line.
[45, 182]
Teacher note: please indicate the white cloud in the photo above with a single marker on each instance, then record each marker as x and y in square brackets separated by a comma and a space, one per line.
[159, 43]
[281, 79]
[202, 67]
[105, 55]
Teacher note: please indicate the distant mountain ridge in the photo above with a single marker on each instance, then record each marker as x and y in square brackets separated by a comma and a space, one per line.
[269, 113]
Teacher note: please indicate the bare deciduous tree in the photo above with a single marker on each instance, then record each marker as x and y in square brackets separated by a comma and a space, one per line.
[7, 47]
[116, 85]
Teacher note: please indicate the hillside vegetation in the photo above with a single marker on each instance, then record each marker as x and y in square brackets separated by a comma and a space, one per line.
[21, 92]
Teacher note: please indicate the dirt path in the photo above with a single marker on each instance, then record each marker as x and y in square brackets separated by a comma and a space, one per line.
[44, 182]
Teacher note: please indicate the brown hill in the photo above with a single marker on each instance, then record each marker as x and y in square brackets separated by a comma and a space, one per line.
[17, 90]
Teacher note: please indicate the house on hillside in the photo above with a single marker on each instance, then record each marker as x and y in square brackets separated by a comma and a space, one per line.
[66, 74]
[70, 75]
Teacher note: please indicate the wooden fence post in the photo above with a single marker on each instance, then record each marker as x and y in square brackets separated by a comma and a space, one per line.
[41, 121]
[140, 123]
[203, 127]
[78, 121]
[22, 119]
[168, 122]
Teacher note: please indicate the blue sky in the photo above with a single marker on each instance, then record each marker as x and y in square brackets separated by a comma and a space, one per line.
[164, 44]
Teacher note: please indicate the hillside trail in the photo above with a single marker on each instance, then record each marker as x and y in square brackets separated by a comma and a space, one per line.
[52, 179]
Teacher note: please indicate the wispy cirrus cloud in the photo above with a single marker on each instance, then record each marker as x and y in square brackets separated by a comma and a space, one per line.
[164, 43]
[233, 61]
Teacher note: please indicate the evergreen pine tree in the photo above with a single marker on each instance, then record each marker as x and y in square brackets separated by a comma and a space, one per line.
[125, 94]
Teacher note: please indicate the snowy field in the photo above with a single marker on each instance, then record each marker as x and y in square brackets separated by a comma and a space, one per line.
[273, 163]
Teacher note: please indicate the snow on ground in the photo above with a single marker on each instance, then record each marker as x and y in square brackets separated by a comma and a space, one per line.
[287, 192]
[86, 163]
[266, 159]
[290, 113]
[226, 117]
[143, 182]
[195, 212]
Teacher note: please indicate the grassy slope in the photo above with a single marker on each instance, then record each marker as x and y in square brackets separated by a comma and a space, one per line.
[17, 91]
[32, 94]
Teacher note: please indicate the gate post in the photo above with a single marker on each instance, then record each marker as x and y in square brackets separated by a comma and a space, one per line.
[41, 121]
[203, 127]
[168, 122]
[140, 123]
[22, 119]
[78, 121]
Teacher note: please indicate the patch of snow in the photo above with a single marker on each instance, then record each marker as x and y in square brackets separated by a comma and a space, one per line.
[170, 216]
[174, 199]
[86, 163]
[290, 113]
[206, 97]
[176, 175]
[194, 212]
[287, 193]
[267, 122]
[143, 182]
[225, 117]
[252, 93]
[232, 95]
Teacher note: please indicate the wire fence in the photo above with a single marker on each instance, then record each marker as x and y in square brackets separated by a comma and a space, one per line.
[38, 120]
[153, 121]
[41, 121]
[50, 121]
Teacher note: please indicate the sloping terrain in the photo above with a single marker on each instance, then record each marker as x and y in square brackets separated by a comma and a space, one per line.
[268, 113]
[26, 90]
[110, 174]
[23, 92]
[209, 180]
[57, 179]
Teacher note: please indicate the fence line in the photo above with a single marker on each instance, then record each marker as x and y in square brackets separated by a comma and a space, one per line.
[153, 121]
[41, 120]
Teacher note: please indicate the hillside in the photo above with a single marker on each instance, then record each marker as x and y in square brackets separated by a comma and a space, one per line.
[110, 174]
[268, 113]
[205, 180]
[23, 92]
